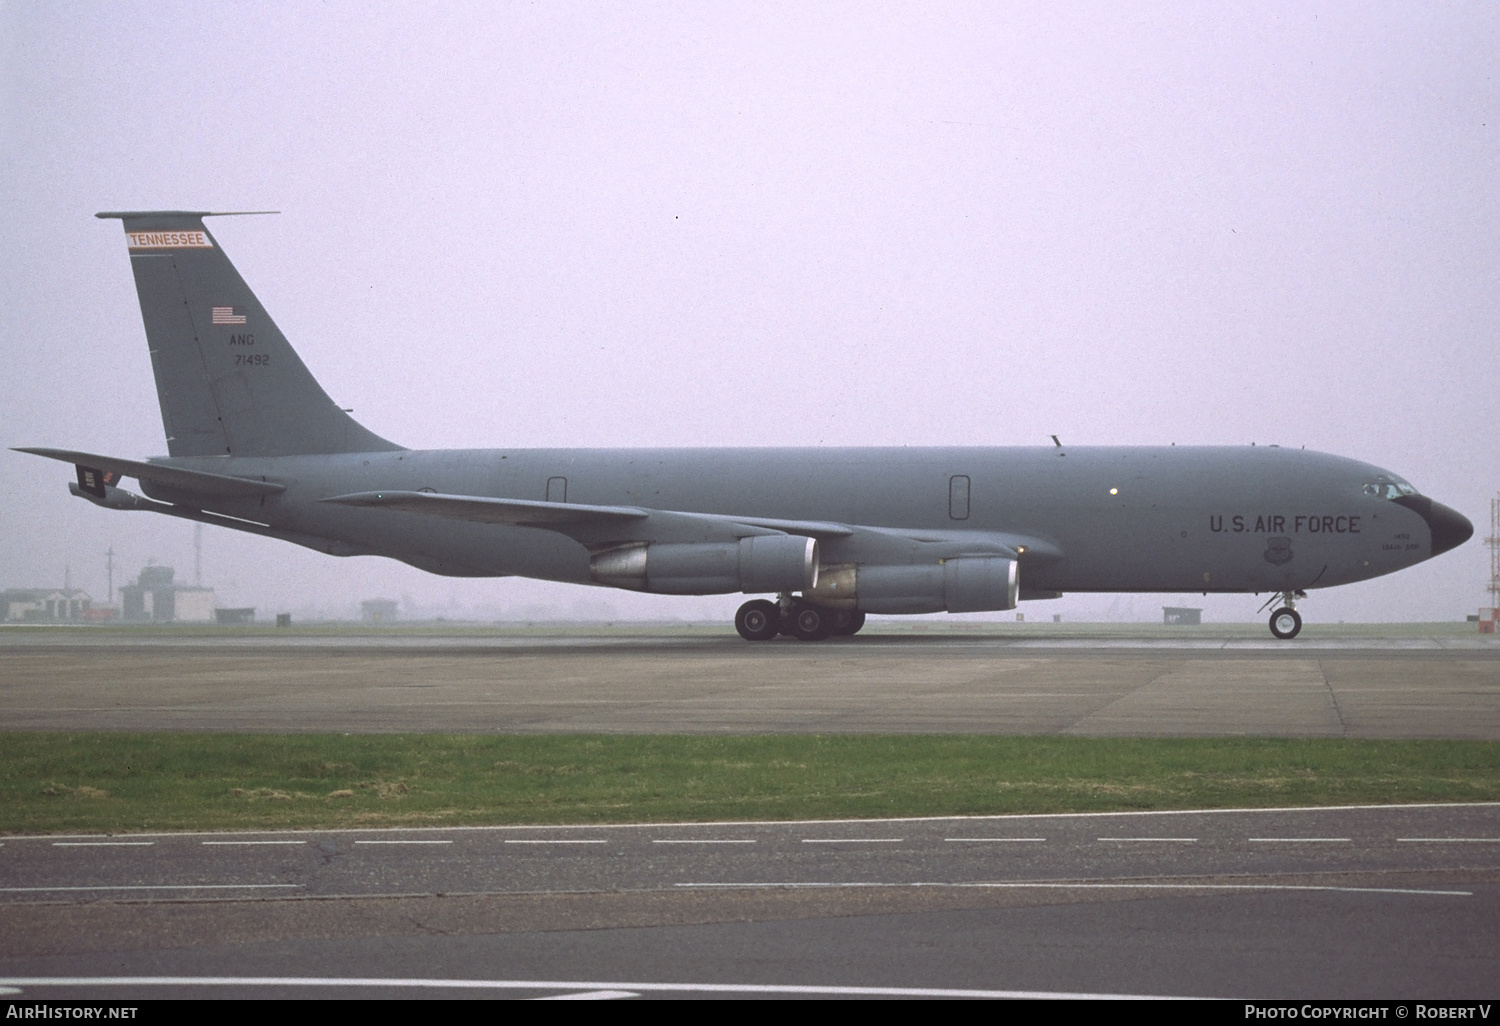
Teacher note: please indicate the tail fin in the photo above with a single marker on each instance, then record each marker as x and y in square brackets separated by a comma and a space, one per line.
[228, 381]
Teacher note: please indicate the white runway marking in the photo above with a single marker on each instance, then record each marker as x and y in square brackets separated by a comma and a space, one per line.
[1449, 840]
[1298, 840]
[241, 843]
[1062, 885]
[149, 887]
[102, 844]
[994, 840]
[563, 985]
[1175, 840]
[403, 842]
[852, 840]
[560, 840]
[989, 820]
[697, 841]
[591, 995]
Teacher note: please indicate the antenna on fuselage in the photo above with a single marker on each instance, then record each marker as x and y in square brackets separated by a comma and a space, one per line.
[1056, 442]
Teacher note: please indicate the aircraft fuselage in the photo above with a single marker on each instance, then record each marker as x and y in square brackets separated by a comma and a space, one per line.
[1173, 519]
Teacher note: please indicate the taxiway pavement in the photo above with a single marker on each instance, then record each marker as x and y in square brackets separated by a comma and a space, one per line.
[1363, 902]
[1365, 687]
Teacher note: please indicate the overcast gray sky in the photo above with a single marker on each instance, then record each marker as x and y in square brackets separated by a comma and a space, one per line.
[721, 224]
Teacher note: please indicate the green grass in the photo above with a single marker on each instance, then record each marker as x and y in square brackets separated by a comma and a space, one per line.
[112, 782]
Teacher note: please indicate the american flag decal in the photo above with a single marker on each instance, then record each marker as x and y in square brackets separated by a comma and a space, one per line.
[229, 315]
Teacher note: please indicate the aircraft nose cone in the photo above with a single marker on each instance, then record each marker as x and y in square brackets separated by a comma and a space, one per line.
[1450, 528]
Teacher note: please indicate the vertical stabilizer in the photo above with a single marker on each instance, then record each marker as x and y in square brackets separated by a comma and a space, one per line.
[228, 381]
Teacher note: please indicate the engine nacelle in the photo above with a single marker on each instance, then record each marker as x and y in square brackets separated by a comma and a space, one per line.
[762, 563]
[969, 584]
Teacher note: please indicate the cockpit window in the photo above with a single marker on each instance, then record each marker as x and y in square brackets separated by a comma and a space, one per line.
[1389, 488]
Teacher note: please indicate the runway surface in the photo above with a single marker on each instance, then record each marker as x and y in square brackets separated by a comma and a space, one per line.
[1300, 903]
[1121, 684]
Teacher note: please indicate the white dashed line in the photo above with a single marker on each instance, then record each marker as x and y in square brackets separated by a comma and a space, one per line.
[1173, 840]
[102, 844]
[1063, 886]
[403, 842]
[852, 840]
[150, 887]
[704, 840]
[241, 843]
[1449, 840]
[1298, 840]
[994, 840]
[558, 842]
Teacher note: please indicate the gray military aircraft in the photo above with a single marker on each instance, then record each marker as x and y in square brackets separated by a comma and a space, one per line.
[256, 445]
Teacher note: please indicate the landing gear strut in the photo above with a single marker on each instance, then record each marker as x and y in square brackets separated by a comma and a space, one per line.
[1286, 622]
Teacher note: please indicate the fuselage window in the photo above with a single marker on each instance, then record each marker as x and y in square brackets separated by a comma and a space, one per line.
[958, 497]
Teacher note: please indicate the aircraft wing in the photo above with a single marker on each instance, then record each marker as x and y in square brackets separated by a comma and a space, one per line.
[573, 518]
[198, 481]
[603, 525]
[483, 510]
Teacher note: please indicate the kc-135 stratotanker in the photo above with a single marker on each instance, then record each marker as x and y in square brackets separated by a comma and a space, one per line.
[832, 534]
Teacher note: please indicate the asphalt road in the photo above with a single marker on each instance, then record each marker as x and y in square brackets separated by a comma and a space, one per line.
[1356, 902]
[640, 682]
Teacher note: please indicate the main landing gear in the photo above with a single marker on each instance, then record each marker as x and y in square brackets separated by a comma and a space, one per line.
[1286, 622]
[760, 620]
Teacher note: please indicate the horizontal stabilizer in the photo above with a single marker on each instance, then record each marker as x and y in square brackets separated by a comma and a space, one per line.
[135, 214]
[197, 481]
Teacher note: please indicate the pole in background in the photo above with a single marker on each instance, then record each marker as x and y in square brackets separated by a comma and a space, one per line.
[1493, 541]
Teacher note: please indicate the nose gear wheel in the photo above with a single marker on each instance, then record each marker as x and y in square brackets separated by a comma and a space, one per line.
[1286, 622]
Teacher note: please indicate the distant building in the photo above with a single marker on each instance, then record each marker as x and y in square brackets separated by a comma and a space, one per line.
[1181, 615]
[44, 605]
[155, 599]
[377, 611]
[244, 614]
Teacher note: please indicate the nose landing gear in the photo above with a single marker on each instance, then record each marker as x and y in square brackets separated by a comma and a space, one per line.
[1286, 622]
